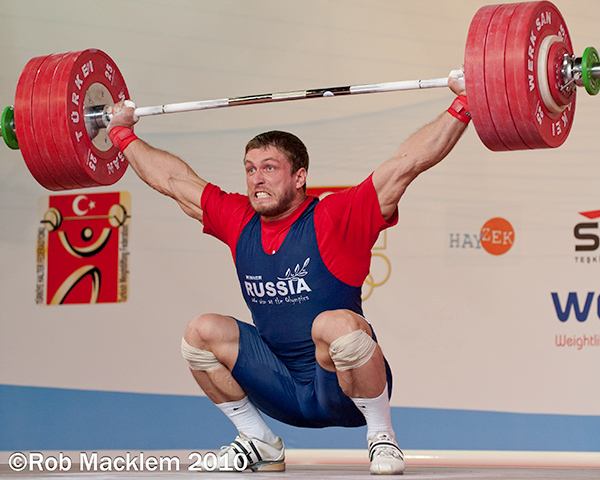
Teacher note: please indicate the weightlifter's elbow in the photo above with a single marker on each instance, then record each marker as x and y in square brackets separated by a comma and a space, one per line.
[192, 210]
[401, 170]
[187, 192]
[187, 196]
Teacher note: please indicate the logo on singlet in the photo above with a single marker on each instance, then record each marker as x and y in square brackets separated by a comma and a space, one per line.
[288, 288]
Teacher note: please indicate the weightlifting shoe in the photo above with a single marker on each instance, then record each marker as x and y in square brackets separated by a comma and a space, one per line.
[259, 455]
[385, 456]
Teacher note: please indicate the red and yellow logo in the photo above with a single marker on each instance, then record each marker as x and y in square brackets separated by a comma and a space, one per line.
[82, 251]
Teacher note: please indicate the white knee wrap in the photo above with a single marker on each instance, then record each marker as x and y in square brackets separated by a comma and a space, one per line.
[352, 350]
[198, 359]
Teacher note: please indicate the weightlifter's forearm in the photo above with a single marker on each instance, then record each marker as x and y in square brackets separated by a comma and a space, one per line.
[159, 169]
[168, 175]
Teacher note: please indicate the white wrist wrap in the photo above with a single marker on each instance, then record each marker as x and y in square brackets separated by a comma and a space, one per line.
[198, 359]
[352, 350]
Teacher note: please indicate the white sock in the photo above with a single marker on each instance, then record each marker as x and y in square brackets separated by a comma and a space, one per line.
[377, 413]
[247, 419]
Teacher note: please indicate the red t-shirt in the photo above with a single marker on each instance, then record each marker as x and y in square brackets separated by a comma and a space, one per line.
[347, 225]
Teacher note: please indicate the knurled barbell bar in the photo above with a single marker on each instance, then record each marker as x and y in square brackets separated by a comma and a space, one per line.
[520, 73]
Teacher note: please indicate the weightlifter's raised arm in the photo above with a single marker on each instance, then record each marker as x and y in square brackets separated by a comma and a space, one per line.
[163, 171]
[421, 151]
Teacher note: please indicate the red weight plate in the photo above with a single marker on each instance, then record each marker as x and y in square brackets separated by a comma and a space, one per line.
[77, 76]
[24, 126]
[475, 78]
[61, 74]
[538, 126]
[41, 123]
[556, 57]
[58, 130]
[495, 80]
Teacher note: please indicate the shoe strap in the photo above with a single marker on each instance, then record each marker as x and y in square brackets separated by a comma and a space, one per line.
[238, 447]
[383, 443]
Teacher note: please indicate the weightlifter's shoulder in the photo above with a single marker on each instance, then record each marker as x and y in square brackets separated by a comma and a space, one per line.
[225, 213]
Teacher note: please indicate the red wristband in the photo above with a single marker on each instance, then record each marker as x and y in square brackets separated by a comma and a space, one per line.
[460, 109]
[121, 137]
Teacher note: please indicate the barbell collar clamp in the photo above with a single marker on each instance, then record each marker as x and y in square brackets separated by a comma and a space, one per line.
[95, 118]
[572, 71]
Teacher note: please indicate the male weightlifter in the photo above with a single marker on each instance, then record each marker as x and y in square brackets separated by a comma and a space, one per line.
[311, 359]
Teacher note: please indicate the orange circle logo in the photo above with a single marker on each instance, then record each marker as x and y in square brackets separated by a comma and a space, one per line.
[497, 236]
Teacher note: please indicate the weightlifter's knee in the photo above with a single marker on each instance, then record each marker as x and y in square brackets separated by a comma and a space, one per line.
[343, 340]
[209, 341]
[197, 358]
[333, 324]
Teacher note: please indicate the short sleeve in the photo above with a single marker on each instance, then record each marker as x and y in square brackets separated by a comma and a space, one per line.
[348, 224]
[225, 214]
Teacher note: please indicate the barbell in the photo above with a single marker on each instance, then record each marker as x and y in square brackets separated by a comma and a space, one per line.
[521, 78]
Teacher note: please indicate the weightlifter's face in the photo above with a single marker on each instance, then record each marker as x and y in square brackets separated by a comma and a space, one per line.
[274, 191]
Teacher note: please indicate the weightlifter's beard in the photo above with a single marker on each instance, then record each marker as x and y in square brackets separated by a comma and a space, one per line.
[280, 207]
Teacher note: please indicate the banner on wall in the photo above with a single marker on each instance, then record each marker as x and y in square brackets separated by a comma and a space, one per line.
[82, 249]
